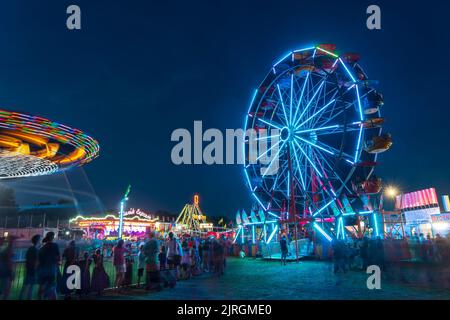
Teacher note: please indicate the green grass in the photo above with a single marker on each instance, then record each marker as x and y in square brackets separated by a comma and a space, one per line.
[20, 274]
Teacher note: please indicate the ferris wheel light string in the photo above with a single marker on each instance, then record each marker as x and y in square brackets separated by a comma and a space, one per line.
[310, 161]
[259, 201]
[315, 145]
[315, 114]
[309, 103]
[281, 60]
[348, 71]
[327, 52]
[282, 104]
[270, 124]
[301, 96]
[267, 151]
[275, 157]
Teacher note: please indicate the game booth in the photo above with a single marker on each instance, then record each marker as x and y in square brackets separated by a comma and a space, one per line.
[136, 224]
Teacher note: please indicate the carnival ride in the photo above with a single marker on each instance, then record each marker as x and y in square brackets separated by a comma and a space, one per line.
[34, 146]
[191, 218]
[321, 115]
[258, 227]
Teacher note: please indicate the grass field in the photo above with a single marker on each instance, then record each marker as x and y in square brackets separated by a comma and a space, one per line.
[20, 273]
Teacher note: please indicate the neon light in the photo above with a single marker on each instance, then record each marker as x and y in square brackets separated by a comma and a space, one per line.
[323, 208]
[282, 59]
[272, 234]
[268, 150]
[253, 234]
[282, 104]
[259, 201]
[316, 226]
[327, 52]
[301, 96]
[348, 71]
[270, 124]
[315, 114]
[312, 164]
[237, 234]
[375, 221]
[315, 145]
[360, 128]
[259, 223]
[305, 49]
[276, 157]
[309, 103]
[242, 236]
[318, 129]
[273, 214]
[122, 206]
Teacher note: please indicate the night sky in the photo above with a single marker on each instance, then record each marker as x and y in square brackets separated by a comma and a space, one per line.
[140, 69]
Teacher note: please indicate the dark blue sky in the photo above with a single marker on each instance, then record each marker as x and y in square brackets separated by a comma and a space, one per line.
[140, 69]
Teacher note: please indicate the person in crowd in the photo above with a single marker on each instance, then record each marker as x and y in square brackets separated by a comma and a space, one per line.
[162, 258]
[364, 252]
[70, 257]
[339, 256]
[151, 251]
[185, 271]
[31, 262]
[48, 261]
[211, 254]
[218, 252]
[173, 252]
[129, 261]
[141, 265]
[85, 274]
[119, 264]
[100, 279]
[379, 254]
[205, 255]
[6, 266]
[284, 249]
[195, 260]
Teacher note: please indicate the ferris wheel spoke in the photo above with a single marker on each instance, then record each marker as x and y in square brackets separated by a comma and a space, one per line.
[299, 168]
[301, 96]
[309, 160]
[316, 113]
[290, 100]
[336, 176]
[283, 106]
[267, 137]
[268, 150]
[270, 123]
[274, 158]
[309, 103]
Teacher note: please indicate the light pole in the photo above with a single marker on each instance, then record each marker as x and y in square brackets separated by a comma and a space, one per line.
[122, 209]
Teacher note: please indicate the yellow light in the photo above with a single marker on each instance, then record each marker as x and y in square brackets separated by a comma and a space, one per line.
[391, 192]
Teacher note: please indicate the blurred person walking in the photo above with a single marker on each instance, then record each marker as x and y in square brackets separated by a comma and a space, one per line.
[31, 262]
[48, 262]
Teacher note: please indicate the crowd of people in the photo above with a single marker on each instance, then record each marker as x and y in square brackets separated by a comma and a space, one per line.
[360, 253]
[160, 262]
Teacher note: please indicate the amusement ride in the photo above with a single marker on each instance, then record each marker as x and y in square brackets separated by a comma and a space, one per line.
[34, 146]
[325, 114]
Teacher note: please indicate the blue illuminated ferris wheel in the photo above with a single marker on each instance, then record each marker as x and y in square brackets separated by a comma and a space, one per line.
[325, 115]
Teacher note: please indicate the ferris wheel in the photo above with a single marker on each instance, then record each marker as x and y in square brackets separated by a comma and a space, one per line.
[318, 116]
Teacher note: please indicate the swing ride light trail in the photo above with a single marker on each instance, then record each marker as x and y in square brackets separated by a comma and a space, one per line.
[324, 123]
[34, 146]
